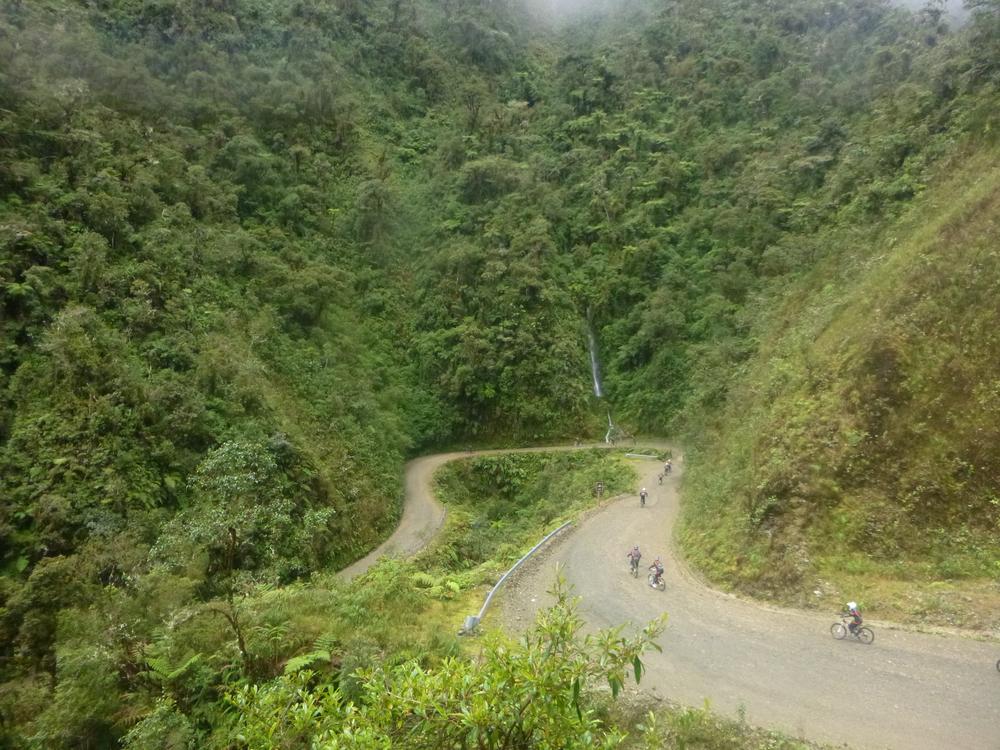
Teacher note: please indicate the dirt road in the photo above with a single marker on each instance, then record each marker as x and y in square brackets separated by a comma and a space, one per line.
[907, 691]
[423, 515]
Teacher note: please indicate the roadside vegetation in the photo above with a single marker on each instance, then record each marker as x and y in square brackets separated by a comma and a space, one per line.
[179, 667]
[683, 728]
[500, 506]
[554, 689]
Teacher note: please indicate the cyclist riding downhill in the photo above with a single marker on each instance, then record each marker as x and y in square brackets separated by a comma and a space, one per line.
[642, 497]
[634, 555]
[851, 623]
[656, 569]
[856, 619]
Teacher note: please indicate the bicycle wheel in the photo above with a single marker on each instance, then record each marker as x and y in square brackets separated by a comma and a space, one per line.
[838, 631]
[998, 665]
[866, 635]
[662, 585]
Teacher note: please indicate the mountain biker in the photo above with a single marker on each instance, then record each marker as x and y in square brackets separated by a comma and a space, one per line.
[634, 555]
[657, 568]
[642, 496]
[856, 619]
[667, 467]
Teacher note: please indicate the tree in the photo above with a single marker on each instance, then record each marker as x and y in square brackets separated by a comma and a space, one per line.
[245, 527]
[986, 33]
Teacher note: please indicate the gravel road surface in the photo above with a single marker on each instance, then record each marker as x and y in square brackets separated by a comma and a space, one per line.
[907, 691]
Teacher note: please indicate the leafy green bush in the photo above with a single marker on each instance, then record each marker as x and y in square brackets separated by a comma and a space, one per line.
[535, 693]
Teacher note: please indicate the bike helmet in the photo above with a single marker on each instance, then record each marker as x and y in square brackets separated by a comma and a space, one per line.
[852, 605]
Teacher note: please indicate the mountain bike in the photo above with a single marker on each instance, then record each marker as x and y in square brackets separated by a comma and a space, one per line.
[998, 665]
[840, 630]
[633, 567]
[661, 584]
[642, 499]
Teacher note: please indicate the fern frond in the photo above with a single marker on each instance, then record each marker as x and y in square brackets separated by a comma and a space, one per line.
[327, 642]
[423, 580]
[298, 663]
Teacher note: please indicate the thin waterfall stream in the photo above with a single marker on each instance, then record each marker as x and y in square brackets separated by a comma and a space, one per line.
[611, 429]
[595, 373]
[595, 366]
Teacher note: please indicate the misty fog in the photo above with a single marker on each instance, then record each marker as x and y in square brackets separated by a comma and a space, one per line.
[954, 9]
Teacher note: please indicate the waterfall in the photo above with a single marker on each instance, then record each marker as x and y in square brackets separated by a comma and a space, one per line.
[595, 372]
[595, 369]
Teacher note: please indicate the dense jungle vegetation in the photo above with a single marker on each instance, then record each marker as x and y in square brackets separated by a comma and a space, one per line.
[254, 255]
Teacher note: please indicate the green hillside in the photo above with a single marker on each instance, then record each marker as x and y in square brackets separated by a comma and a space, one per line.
[254, 255]
[857, 459]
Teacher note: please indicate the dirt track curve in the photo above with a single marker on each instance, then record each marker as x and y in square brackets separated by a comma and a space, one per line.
[423, 515]
[907, 691]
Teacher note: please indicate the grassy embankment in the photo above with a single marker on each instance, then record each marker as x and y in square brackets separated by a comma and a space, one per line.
[857, 459]
[499, 506]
